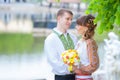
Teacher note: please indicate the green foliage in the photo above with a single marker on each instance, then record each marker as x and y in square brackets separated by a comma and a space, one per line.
[87, 1]
[107, 14]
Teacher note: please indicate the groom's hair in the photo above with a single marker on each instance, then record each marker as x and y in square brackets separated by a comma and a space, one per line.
[62, 11]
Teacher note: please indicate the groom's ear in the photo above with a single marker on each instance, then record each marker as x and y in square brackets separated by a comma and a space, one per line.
[58, 17]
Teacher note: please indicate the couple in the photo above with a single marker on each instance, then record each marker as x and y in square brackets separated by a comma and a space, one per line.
[60, 40]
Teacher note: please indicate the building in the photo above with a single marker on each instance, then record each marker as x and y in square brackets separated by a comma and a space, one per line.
[13, 1]
[66, 1]
[14, 18]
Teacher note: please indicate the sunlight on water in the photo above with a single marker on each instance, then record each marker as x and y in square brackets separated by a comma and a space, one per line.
[25, 67]
[22, 57]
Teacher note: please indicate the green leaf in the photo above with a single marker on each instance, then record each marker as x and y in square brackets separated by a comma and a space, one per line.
[87, 11]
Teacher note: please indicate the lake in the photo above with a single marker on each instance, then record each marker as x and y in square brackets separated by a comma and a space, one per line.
[22, 57]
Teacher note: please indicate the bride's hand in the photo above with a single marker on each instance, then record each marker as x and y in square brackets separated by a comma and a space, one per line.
[74, 68]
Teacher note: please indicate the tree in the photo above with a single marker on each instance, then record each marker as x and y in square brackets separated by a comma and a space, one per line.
[107, 14]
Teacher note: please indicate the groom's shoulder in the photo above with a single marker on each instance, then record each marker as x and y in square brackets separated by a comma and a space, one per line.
[50, 37]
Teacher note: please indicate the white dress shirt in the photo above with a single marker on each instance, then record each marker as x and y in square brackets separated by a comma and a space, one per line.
[53, 48]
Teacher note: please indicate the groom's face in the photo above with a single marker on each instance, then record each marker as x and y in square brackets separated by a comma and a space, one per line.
[65, 20]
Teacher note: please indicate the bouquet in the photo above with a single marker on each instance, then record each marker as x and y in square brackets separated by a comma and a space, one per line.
[70, 57]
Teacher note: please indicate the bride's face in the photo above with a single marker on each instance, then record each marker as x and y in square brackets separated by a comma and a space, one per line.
[81, 29]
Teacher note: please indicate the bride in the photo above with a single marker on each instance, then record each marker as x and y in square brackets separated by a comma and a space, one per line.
[87, 48]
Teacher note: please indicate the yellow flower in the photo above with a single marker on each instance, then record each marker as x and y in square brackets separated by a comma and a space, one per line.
[70, 57]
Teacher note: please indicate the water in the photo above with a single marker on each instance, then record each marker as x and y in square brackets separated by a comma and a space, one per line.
[22, 57]
[27, 67]
[26, 61]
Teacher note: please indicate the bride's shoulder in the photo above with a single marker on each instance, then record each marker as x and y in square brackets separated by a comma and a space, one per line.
[91, 42]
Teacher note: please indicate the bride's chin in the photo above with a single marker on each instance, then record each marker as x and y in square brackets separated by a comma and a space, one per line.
[80, 33]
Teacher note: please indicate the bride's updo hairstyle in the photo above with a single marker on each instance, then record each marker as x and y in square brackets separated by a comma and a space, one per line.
[87, 21]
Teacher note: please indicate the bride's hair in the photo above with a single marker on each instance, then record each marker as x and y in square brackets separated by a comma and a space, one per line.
[87, 21]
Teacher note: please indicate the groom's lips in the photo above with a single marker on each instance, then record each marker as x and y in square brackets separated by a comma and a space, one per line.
[68, 24]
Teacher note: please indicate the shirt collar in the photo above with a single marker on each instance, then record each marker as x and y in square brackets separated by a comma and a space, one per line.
[59, 32]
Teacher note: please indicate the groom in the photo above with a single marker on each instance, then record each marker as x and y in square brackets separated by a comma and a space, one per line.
[59, 41]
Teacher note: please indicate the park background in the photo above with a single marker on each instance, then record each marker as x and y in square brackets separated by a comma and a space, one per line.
[24, 25]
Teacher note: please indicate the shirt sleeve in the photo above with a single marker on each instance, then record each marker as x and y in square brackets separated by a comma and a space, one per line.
[53, 57]
[93, 58]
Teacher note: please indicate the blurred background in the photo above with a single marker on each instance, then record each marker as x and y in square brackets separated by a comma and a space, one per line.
[24, 25]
